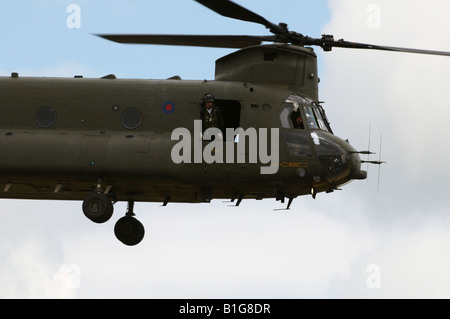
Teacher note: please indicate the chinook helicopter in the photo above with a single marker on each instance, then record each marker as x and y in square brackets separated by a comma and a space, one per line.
[106, 140]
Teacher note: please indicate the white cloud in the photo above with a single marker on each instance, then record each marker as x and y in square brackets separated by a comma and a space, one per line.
[404, 96]
[29, 270]
[208, 251]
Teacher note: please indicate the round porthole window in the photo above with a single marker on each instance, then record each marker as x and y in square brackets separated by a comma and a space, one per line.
[45, 117]
[131, 118]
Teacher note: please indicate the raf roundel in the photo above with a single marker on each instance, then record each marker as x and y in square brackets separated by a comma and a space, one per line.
[169, 107]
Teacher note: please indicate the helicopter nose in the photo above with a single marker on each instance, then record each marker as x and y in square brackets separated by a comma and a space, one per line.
[354, 161]
[355, 164]
[339, 160]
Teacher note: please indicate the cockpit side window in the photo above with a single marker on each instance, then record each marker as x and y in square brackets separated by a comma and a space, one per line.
[321, 123]
[322, 118]
[310, 117]
[291, 117]
[298, 113]
[284, 116]
[297, 119]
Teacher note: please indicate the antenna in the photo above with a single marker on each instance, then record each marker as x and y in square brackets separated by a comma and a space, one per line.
[368, 161]
[379, 163]
[368, 150]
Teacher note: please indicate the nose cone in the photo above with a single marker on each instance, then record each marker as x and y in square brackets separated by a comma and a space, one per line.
[355, 164]
[339, 160]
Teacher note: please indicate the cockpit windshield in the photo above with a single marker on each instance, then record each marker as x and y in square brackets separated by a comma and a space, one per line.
[299, 112]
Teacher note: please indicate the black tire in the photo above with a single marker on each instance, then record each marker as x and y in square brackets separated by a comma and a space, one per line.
[129, 231]
[98, 208]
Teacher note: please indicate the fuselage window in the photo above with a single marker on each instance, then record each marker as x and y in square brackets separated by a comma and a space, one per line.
[131, 118]
[45, 117]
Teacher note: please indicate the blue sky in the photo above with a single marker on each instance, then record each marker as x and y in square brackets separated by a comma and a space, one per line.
[45, 39]
[323, 248]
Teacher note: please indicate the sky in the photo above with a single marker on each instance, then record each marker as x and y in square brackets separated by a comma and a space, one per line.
[360, 242]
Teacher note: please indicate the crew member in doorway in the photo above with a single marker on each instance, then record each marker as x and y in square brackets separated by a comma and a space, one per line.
[210, 113]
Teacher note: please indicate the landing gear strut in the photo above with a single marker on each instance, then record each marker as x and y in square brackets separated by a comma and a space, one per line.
[128, 229]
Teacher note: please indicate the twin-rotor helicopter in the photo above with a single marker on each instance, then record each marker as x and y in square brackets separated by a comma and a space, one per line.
[106, 140]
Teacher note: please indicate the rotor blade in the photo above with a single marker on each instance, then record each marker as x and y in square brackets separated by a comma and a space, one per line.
[232, 10]
[214, 41]
[386, 48]
[327, 43]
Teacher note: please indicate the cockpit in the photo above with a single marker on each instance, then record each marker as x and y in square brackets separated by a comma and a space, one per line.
[310, 143]
[300, 112]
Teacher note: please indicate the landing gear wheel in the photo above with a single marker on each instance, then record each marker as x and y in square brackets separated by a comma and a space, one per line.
[129, 231]
[98, 208]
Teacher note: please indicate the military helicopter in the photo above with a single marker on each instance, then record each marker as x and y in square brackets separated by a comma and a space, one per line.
[106, 140]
